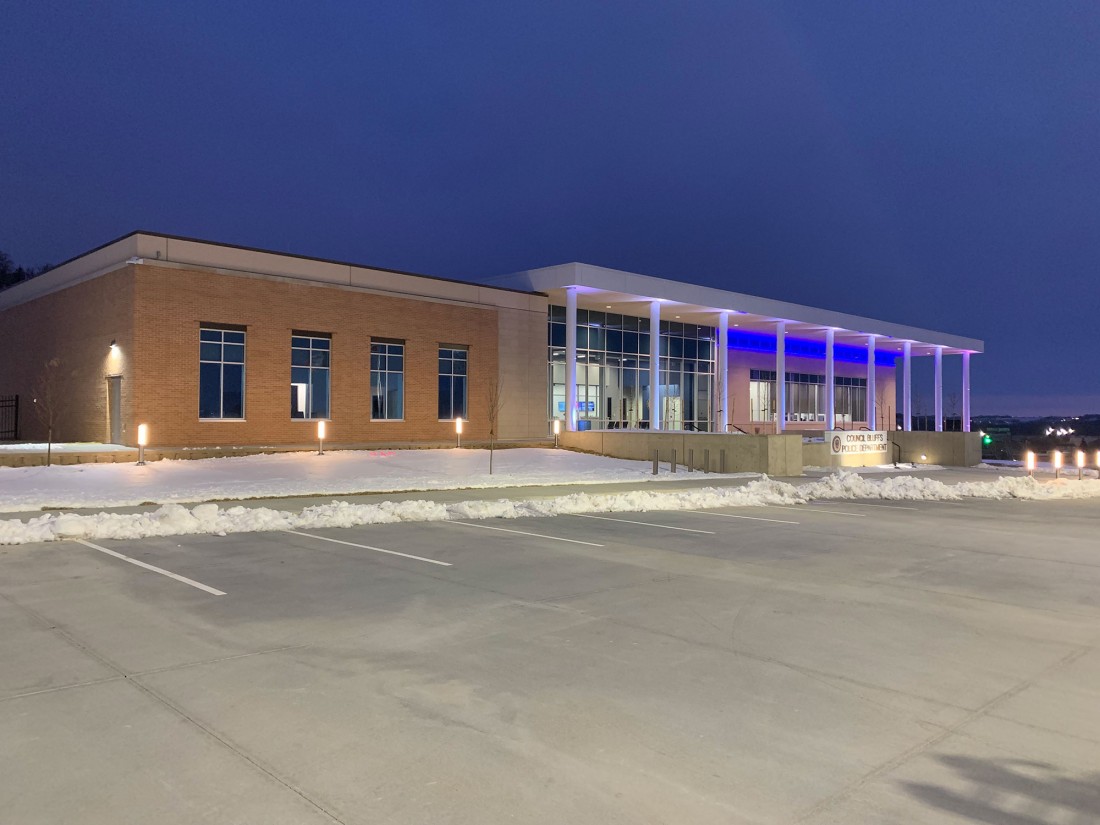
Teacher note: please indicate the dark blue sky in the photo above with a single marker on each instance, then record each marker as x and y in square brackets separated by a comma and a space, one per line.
[936, 164]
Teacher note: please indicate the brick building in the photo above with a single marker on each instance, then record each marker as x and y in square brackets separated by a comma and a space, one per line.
[218, 345]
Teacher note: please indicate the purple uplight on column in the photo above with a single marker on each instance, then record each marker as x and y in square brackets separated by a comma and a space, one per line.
[722, 355]
[938, 357]
[872, 413]
[907, 386]
[571, 358]
[780, 376]
[830, 382]
[655, 365]
[966, 393]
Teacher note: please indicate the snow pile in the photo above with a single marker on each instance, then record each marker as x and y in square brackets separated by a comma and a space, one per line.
[340, 473]
[175, 519]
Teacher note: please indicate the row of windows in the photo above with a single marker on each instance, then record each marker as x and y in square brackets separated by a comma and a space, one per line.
[222, 377]
[806, 378]
[805, 397]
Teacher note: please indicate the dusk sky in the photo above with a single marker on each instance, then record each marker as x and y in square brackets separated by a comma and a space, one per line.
[933, 164]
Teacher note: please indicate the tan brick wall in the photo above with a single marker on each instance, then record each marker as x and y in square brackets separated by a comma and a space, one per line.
[172, 304]
[76, 326]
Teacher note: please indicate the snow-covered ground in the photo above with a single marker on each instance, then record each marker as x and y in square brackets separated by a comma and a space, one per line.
[878, 468]
[175, 519]
[63, 447]
[304, 474]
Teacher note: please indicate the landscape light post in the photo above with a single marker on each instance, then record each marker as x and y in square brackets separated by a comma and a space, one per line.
[1057, 457]
[143, 439]
[458, 430]
[557, 431]
[1030, 462]
[1080, 464]
[320, 438]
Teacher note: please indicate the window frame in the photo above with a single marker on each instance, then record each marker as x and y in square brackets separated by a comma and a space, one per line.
[387, 353]
[221, 330]
[311, 337]
[465, 375]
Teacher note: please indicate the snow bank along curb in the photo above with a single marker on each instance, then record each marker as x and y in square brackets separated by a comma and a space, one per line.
[177, 520]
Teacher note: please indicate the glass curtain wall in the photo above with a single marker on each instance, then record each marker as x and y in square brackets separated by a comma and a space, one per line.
[806, 397]
[613, 355]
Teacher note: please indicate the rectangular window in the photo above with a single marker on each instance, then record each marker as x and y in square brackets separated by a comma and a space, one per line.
[452, 382]
[309, 375]
[387, 381]
[221, 373]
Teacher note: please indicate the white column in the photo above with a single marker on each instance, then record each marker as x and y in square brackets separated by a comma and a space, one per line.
[571, 358]
[830, 381]
[781, 376]
[907, 386]
[721, 355]
[966, 393]
[938, 356]
[655, 365]
[872, 413]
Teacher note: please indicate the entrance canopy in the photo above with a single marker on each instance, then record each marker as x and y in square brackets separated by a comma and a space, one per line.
[631, 294]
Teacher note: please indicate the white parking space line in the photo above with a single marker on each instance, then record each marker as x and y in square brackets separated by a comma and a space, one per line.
[369, 547]
[646, 524]
[886, 506]
[747, 518]
[211, 590]
[522, 533]
[815, 509]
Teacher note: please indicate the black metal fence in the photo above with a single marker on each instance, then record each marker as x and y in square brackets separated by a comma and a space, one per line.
[9, 417]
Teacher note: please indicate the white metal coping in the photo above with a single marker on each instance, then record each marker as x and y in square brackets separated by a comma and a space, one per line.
[600, 286]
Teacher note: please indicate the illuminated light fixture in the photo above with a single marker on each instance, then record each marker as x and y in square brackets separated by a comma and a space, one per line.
[1080, 464]
[557, 430]
[607, 306]
[1057, 457]
[923, 457]
[1029, 460]
[458, 430]
[143, 441]
[114, 345]
[321, 437]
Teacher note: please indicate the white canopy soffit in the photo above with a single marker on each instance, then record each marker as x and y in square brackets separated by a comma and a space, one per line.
[630, 294]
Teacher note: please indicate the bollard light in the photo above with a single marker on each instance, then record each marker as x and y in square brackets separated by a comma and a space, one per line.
[143, 441]
[321, 438]
[1080, 464]
[1057, 459]
[458, 430]
[1030, 463]
[557, 431]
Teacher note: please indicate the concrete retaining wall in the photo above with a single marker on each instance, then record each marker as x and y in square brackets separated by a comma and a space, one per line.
[777, 455]
[948, 449]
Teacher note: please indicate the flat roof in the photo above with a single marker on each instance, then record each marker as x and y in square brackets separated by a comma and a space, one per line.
[629, 293]
[143, 247]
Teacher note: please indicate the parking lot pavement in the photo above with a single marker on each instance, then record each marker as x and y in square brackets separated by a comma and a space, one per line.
[835, 662]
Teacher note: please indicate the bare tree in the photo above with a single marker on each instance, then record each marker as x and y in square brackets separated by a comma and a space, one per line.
[495, 400]
[953, 406]
[49, 401]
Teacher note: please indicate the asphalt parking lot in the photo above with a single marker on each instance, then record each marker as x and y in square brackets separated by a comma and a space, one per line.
[835, 662]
